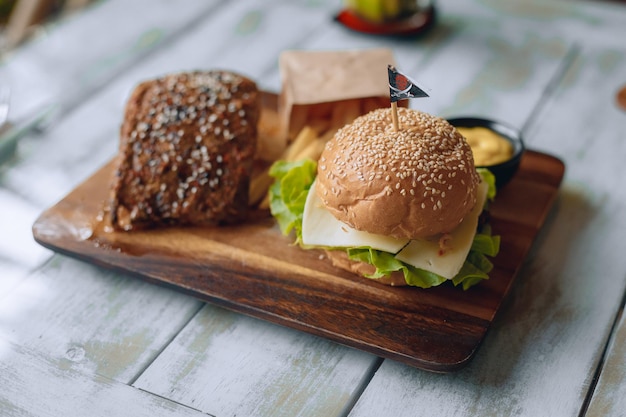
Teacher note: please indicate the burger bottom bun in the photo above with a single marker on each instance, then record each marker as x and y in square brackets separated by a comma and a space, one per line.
[339, 259]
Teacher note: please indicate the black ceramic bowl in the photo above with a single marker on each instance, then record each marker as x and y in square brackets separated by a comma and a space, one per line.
[503, 171]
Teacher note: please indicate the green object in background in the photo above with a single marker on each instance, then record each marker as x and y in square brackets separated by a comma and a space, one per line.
[5, 9]
[379, 11]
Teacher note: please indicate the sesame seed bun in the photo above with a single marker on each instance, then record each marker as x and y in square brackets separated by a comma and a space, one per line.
[417, 182]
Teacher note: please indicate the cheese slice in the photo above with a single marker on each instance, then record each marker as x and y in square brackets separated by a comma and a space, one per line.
[425, 254]
[321, 228]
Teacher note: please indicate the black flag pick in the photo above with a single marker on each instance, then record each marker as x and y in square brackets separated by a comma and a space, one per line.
[402, 87]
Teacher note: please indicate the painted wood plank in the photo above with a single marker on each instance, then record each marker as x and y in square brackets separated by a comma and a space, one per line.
[609, 395]
[60, 67]
[35, 384]
[16, 243]
[19, 253]
[541, 354]
[11, 275]
[589, 22]
[229, 39]
[91, 320]
[87, 50]
[226, 364]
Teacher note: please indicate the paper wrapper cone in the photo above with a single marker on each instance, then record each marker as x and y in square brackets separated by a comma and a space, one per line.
[327, 89]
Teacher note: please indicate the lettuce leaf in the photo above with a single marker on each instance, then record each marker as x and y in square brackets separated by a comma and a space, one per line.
[386, 263]
[288, 193]
[288, 196]
[488, 177]
[475, 268]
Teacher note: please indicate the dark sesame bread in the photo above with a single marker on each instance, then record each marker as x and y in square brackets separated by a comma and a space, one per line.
[417, 182]
[186, 148]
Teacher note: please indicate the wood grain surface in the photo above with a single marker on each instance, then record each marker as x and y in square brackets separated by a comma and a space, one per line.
[73, 390]
[253, 269]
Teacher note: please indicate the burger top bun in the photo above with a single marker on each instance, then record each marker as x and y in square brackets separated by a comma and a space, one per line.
[417, 182]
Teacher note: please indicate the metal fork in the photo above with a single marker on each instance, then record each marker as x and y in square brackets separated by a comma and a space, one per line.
[5, 96]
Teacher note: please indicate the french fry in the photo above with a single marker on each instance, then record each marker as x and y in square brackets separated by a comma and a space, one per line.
[309, 142]
[328, 135]
[306, 145]
[319, 125]
[298, 118]
[262, 181]
[258, 187]
[302, 140]
[312, 151]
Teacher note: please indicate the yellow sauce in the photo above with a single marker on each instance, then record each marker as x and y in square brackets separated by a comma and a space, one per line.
[489, 148]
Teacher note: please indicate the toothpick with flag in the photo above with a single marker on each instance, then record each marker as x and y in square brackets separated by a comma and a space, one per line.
[401, 87]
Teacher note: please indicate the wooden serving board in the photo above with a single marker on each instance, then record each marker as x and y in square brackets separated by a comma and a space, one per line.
[251, 268]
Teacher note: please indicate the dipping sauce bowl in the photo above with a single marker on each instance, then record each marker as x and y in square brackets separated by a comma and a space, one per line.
[496, 146]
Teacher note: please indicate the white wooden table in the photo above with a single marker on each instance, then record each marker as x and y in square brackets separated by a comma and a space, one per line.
[79, 340]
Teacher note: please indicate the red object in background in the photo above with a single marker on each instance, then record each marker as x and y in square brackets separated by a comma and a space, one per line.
[620, 97]
[413, 25]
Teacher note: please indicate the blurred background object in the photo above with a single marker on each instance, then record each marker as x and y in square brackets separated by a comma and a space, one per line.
[20, 19]
[388, 17]
[379, 11]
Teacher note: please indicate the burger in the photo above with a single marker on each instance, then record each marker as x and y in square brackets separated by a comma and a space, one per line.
[402, 206]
